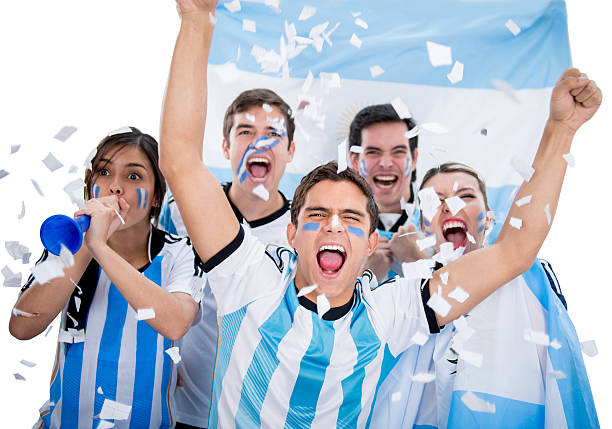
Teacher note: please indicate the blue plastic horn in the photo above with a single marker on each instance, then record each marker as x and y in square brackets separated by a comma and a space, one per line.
[59, 229]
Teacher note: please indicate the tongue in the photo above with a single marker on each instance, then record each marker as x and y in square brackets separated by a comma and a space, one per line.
[258, 170]
[457, 238]
[330, 261]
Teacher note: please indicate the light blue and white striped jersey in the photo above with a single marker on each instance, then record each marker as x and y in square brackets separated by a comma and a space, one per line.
[121, 358]
[279, 364]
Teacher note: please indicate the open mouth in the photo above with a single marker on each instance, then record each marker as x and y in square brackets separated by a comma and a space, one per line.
[455, 231]
[385, 181]
[258, 167]
[331, 258]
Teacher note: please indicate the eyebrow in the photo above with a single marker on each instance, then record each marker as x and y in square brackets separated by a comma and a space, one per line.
[250, 126]
[465, 188]
[129, 164]
[326, 210]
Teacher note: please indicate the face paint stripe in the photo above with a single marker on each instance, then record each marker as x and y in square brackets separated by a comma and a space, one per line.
[95, 191]
[311, 226]
[481, 216]
[481, 228]
[362, 169]
[407, 169]
[146, 198]
[251, 150]
[138, 193]
[356, 231]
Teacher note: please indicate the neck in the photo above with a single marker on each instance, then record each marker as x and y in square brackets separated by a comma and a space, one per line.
[251, 206]
[131, 243]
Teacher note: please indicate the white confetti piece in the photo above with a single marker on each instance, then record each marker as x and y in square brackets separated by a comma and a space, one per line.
[438, 304]
[456, 74]
[361, 23]
[400, 108]
[66, 257]
[145, 314]
[173, 352]
[15, 148]
[323, 305]
[329, 80]
[122, 130]
[536, 337]
[454, 204]
[48, 330]
[569, 158]
[473, 358]
[506, 89]
[470, 238]
[249, 25]
[547, 212]
[19, 376]
[22, 213]
[396, 396]
[475, 403]
[27, 363]
[516, 222]
[376, 71]
[589, 348]
[357, 149]
[51, 162]
[439, 55]
[212, 18]
[427, 242]
[355, 41]
[419, 338]
[307, 13]
[48, 270]
[444, 278]
[100, 391]
[112, 410]
[3, 174]
[307, 289]
[420, 269]
[415, 131]
[335, 220]
[455, 186]
[559, 375]
[523, 201]
[65, 133]
[71, 336]
[555, 344]
[429, 202]
[261, 191]
[273, 4]
[436, 128]
[18, 251]
[36, 186]
[424, 377]
[105, 424]
[250, 117]
[342, 165]
[233, 6]
[20, 313]
[521, 167]
[77, 303]
[459, 294]
[403, 204]
[11, 279]
[511, 25]
[308, 82]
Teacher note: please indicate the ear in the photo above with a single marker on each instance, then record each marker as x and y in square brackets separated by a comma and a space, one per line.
[291, 230]
[372, 242]
[414, 158]
[354, 158]
[291, 151]
[225, 148]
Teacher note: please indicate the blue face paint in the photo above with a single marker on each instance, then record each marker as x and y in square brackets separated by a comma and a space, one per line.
[408, 170]
[254, 148]
[95, 191]
[362, 169]
[143, 197]
[481, 216]
[426, 222]
[481, 228]
[311, 226]
[356, 231]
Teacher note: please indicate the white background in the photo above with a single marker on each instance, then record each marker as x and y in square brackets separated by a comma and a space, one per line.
[101, 65]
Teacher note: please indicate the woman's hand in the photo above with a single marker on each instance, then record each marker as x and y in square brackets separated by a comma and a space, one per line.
[104, 219]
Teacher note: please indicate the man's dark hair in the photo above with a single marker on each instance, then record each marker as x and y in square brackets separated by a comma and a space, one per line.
[257, 97]
[147, 144]
[375, 114]
[329, 171]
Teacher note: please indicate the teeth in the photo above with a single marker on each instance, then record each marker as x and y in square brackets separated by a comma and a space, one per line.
[386, 178]
[261, 160]
[453, 224]
[335, 247]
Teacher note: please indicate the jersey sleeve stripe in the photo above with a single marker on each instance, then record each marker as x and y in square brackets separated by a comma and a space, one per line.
[224, 253]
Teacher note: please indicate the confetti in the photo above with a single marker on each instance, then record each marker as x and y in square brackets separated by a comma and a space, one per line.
[48, 330]
[112, 410]
[65, 133]
[145, 314]
[355, 41]
[18, 251]
[173, 352]
[66, 257]
[122, 130]
[555, 344]
[400, 108]
[71, 336]
[342, 165]
[48, 270]
[419, 338]
[329, 80]
[456, 74]
[396, 396]
[589, 348]
[19, 376]
[105, 424]
[233, 6]
[403, 204]
[11, 279]
[3, 174]
[444, 278]
[27, 363]
[22, 213]
[427, 242]
[475, 403]
[559, 375]
[454, 204]
[376, 71]
[455, 186]
[429, 201]
[357, 149]
[306, 290]
[52, 163]
[511, 25]
[250, 117]
[37, 187]
[424, 377]
[249, 25]
[536, 337]
[323, 305]
[470, 238]
[438, 304]
[473, 358]
[361, 23]
[547, 211]
[439, 55]
[459, 294]
[307, 13]
[335, 220]
[20, 313]
[521, 167]
[212, 18]
[506, 89]
[100, 391]
[435, 128]
[15, 148]
[261, 191]
[569, 158]
[420, 269]
[77, 303]
[515, 222]
[415, 131]
[308, 82]
[119, 216]
[523, 201]
[484, 132]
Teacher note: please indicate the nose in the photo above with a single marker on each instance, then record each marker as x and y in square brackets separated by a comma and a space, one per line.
[334, 225]
[116, 188]
[386, 160]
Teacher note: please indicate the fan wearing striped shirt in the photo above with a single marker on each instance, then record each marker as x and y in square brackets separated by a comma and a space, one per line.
[318, 361]
[109, 354]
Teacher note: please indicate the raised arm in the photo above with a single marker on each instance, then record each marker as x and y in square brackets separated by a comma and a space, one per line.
[204, 208]
[574, 101]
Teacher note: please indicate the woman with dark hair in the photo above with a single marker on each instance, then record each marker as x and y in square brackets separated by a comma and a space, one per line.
[132, 291]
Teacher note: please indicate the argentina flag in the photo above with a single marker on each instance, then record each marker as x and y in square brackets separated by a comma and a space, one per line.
[477, 78]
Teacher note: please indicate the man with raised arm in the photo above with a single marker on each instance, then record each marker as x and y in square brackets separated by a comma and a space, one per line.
[316, 360]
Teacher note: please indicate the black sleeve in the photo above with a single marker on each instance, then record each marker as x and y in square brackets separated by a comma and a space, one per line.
[429, 313]
[553, 281]
[224, 253]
